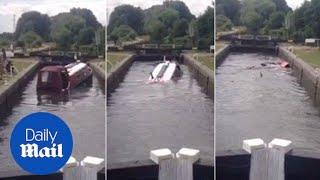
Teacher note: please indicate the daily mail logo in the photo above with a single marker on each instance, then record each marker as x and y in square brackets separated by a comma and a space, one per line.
[41, 143]
[32, 150]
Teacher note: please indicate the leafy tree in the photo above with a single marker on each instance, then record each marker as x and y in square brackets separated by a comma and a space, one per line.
[5, 39]
[265, 8]
[223, 23]
[123, 33]
[252, 20]
[71, 22]
[63, 37]
[66, 23]
[180, 28]
[229, 9]
[86, 36]
[182, 9]
[126, 15]
[87, 15]
[282, 6]
[30, 39]
[276, 20]
[33, 21]
[205, 25]
[156, 29]
[102, 40]
[168, 17]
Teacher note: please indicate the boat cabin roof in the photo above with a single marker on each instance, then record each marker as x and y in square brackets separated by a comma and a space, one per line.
[53, 68]
[75, 67]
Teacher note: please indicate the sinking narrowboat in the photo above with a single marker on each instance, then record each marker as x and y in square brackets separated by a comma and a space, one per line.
[63, 78]
[165, 71]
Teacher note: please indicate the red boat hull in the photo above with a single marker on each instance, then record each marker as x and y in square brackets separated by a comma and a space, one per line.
[63, 78]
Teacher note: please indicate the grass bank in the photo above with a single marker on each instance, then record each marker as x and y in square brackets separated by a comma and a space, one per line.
[310, 55]
[205, 58]
[20, 64]
[115, 58]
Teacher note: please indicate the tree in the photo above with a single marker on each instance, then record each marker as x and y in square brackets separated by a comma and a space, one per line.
[86, 36]
[180, 28]
[282, 6]
[156, 29]
[276, 21]
[252, 20]
[182, 9]
[30, 39]
[205, 25]
[63, 37]
[223, 23]
[229, 9]
[33, 21]
[123, 33]
[126, 15]
[168, 17]
[87, 15]
[66, 23]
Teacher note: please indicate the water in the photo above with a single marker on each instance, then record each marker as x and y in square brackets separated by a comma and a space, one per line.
[142, 117]
[271, 106]
[83, 111]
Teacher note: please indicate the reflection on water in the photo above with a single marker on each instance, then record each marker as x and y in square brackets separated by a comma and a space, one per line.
[266, 102]
[83, 110]
[142, 116]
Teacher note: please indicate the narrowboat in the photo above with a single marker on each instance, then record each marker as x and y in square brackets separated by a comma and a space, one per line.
[165, 71]
[63, 78]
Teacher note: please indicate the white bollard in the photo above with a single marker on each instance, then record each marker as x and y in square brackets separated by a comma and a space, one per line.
[258, 166]
[90, 167]
[186, 158]
[250, 145]
[71, 169]
[160, 155]
[278, 149]
[167, 163]
[267, 162]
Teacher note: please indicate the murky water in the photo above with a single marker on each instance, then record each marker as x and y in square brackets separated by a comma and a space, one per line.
[142, 117]
[83, 111]
[265, 102]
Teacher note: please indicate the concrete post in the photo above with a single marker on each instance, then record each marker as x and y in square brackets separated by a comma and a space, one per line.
[278, 149]
[167, 163]
[258, 166]
[90, 167]
[267, 163]
[71, 169]
[186, 158]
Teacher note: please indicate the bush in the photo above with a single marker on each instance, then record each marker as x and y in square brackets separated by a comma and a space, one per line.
[30, 39]
[123, 33]
[185, 41]
[89, 49]
[223, 23]
[204, 43]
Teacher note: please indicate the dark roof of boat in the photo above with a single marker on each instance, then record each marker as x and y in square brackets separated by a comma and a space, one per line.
[53, 68]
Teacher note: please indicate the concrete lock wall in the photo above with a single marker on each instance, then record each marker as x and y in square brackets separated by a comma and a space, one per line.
[117, 73]
[99, 73]
[7, 93]
[299, 164]
[150, 171]
[233, 165]
[305, 74]
[203, 74]
[222, 54]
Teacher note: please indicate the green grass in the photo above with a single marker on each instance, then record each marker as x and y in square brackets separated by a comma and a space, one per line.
[20, 64]
[114, 58]
[206, 59]
[311, 56]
